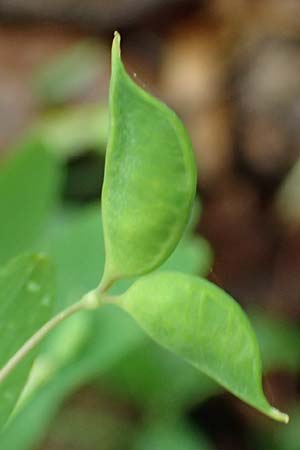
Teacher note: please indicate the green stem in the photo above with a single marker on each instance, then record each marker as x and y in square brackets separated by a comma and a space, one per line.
[88, 301]
[105, 285]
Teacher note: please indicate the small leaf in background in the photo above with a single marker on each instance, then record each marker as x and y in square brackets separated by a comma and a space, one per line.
[67, 77]
[149, 182]
[26, 303]
[73, 130]
[200, 322]
[29, 180]
[193, 254]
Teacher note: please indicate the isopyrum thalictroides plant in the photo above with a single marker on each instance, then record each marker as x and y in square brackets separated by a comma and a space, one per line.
[148, 192]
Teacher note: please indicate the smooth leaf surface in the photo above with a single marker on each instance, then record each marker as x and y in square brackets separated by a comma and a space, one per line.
[26, 301]
[200, 322]
[149, 182]
[29, 180]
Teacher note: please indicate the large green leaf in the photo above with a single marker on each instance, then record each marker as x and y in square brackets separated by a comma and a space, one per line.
[28, 185]
[26, 300]
[149, 182]
[204, 325]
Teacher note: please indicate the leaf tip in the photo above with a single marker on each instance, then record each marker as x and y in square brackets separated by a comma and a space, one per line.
[279, 416]
[116, 43]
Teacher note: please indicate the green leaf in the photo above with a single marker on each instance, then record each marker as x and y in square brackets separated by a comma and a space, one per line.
[29, 180]
[149, 182]
[26, 299]
[204, 325]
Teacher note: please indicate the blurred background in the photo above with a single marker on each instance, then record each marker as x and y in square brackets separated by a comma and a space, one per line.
[231, 70]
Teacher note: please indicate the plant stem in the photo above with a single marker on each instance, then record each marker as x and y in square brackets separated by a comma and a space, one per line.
[34, 340]
[105, 285]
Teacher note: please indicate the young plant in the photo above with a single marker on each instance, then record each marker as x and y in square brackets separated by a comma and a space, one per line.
[148, 192]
